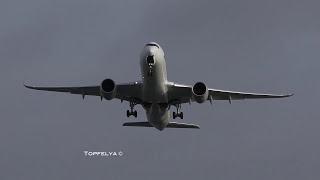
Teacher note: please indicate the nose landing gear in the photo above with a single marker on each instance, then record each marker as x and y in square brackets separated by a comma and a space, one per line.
[150, 72]
[150, 61]
[132, 112]
[178, 113]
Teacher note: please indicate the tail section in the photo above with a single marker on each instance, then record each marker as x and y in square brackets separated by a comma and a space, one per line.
[170, 125]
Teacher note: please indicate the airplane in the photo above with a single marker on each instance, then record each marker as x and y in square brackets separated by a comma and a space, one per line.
[155, 93]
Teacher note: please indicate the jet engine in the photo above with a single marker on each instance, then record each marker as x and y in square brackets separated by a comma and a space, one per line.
[107, 89]
[200, 92]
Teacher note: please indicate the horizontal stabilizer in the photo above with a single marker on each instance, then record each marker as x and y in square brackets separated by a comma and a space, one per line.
[170, 125]
[138, 124]
[182, 125]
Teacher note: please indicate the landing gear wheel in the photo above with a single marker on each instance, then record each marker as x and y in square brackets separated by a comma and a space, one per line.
[178, 113]
[131, 112]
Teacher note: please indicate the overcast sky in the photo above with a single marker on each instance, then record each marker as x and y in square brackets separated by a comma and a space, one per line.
[248, 45]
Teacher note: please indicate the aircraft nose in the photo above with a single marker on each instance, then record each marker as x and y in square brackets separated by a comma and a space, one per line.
[150, 51]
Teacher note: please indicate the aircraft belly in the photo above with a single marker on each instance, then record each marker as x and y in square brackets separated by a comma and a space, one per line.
[155, 94]
[155, 89]
[158, 116]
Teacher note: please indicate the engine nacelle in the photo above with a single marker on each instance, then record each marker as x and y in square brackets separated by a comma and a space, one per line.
[107, 89]
[200, 92]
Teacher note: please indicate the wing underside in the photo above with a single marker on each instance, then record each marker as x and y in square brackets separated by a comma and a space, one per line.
[179, 94]
[126, 92]
[227, 95]
[85, 90]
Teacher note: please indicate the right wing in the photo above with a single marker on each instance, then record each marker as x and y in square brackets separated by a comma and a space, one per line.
[179, 94]
[127, 91]
[234, 95]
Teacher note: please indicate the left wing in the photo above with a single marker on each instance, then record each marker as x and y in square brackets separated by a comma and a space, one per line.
[179, 94]
[127, 91]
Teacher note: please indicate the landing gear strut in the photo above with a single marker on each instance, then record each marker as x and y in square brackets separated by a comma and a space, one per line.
[178, 113]
[132, 112]
[150, 61]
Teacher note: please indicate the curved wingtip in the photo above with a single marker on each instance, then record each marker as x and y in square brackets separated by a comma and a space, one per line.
[289, 95]
[27, 86]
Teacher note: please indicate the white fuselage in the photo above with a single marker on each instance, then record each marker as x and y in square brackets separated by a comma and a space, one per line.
[154, 78]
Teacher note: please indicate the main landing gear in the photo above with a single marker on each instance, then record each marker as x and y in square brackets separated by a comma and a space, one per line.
[178, 113]
[132, 112]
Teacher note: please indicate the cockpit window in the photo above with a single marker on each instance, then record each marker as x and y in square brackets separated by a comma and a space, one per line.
[152, 44]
